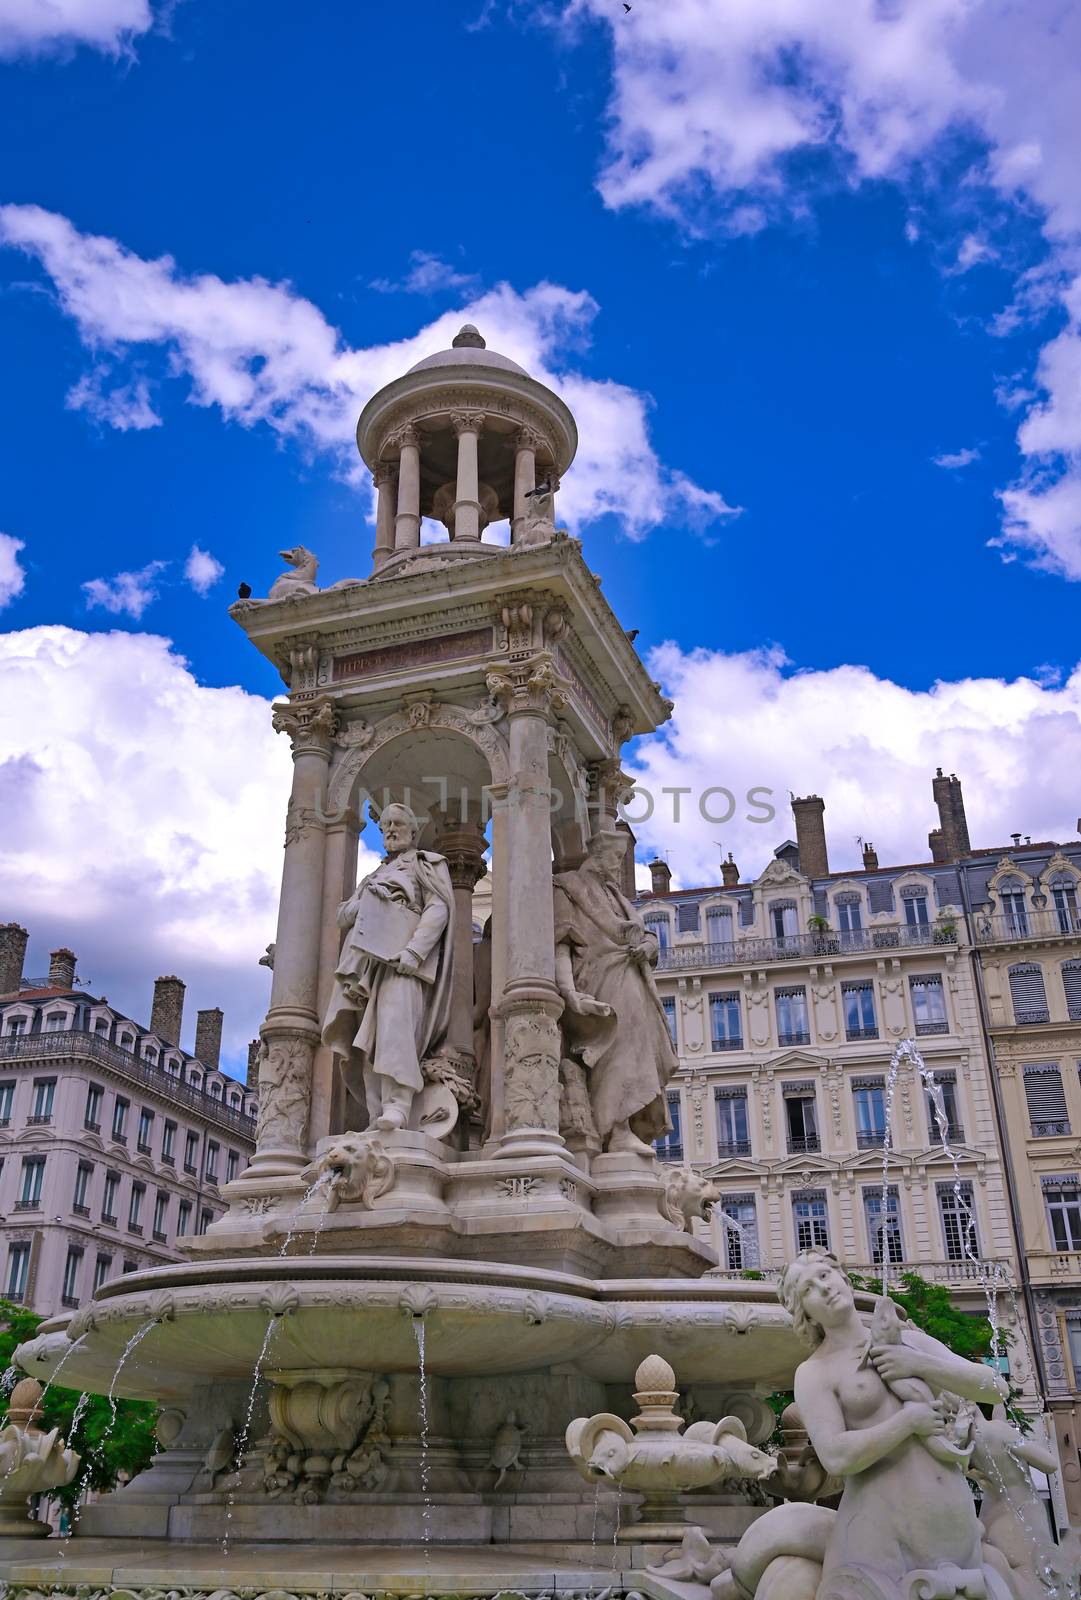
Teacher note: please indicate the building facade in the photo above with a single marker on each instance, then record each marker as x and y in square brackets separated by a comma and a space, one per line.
[114, 1142]
[1024, 907]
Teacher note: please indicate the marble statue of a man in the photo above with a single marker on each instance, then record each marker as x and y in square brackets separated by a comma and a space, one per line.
[391, 999]
[613, 1021]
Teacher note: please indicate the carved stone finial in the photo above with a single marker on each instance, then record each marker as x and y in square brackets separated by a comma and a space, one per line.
[25, 1402]
[468, 338]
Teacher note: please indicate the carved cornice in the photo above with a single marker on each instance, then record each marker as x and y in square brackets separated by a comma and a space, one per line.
[495, 402]
[311, 726]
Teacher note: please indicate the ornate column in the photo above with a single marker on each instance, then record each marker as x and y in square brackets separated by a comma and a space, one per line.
[407, 516]
[291, 1030]
[467, 425]
[385, 480]
[525, 474]
[463, 844]
[339, 881]
[530, 1004]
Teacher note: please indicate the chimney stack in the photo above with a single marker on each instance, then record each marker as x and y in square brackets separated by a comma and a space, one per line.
[62, 969]
[870, 857]
[251, 1076]
[208, 1036]
[809, 815]
[951, 816]
[937, 841]
[13, 941]
[661, 873]
[729, 872]
[167, 1011]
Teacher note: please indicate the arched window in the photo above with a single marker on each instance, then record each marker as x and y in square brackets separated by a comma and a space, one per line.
[1011, 898]
[660, 928]
[719, 924]
[126, 1041]
[1028, 993]
[914, 900]
[848, 910]
[1064, 898]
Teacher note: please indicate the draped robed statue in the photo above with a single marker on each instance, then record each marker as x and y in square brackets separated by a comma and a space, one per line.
[613, 1021]
[390, 1004]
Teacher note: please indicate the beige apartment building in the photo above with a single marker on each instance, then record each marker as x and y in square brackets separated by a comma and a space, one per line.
[786, 997]
[1024, 904]
[115, 1143]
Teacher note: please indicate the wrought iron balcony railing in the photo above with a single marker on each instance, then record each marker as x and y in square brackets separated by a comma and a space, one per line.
[806, 1144]
[727, 1148]
[87, 1046]
[1049, 1130]
[1019, 928]
[802, 946]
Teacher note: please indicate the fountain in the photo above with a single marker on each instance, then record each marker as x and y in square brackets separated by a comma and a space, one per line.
[454, 1237]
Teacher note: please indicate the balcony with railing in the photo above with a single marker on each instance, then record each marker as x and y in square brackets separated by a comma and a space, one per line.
[805, 946]
[869, 1032]
[727, 1149]
[940, 1025]
[870, 1138]
[1023, 928]
[1051, 1129]
[735, 1043]
[88, 1046]
[803, 1144]
[792, 1036]
[966, 1274]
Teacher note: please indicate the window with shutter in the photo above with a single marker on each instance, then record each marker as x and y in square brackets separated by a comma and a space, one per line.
[687, 918]
[1046, 1101]
[1071, 982]
[1028, 994]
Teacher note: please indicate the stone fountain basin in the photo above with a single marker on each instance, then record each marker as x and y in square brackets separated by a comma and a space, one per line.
[210, 1320]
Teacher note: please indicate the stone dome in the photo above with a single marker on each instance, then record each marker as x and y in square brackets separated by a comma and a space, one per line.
[468, 350]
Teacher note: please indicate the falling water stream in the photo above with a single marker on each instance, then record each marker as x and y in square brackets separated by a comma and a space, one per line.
[425, 1469]
[98, 1453]
[988, 1276]
[243, 1439]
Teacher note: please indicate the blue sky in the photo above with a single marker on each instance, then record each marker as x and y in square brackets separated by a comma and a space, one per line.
[813, 258]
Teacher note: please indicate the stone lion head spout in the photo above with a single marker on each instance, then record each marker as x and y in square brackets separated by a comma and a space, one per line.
[355, 1168]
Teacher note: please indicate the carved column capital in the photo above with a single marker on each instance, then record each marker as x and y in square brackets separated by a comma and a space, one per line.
[528, 439]
[609, 786]
[311, 725]
[467, 421]
[401, 438]
[383, 472]
[530, 687]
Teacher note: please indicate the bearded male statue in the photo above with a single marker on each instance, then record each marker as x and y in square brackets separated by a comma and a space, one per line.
[390, 1004]
[613, 1021]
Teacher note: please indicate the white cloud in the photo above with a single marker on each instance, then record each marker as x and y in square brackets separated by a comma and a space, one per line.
[720, 106]
[35, 26]
[201, 570]
[952, 459]
[125, 406]
[12, 573]
[868, 746]
[128, 593]
[262, 354]
[428, 274]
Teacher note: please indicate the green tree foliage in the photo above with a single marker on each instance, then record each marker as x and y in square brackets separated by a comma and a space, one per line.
[107, 1450]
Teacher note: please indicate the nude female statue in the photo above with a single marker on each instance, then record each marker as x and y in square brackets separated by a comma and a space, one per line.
[907, 1523]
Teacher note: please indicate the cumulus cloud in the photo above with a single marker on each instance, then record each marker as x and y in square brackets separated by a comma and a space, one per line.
[202, 570]
[428, 274]
[262, 354]
[143, 820]
[953, 459]
[29, 27]
[124, 406]
[12, 573]
[721, 108]
[128, 594]
[868, 746]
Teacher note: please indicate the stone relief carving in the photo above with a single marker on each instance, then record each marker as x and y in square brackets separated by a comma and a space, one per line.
[531, 1070]
[310, 724]
[285, 1072]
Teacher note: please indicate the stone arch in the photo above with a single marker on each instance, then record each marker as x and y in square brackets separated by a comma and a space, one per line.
[360, 741]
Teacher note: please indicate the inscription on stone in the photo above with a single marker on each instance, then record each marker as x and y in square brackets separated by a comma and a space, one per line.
[586, 700]
[413, 653]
